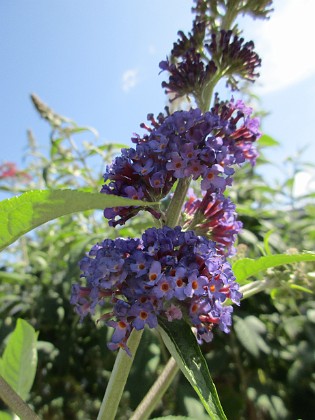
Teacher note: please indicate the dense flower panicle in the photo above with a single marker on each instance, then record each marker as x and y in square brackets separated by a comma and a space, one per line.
[184, 144]
[193, 41]
[214, 217]
[189, 72]
[169, 273]
[189, 75]
[194, 62]
[234, 56]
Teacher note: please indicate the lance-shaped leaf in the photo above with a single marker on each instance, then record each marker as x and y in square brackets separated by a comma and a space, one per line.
[19, 215]
[182, 345]
[247, 267]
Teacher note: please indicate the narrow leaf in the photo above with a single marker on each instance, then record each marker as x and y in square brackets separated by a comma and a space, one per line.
[19, 215]
[267, 141]
[247, 267]
[183, 346]
[301, 288]
[266, 241]
[19, 361]
[76, 130]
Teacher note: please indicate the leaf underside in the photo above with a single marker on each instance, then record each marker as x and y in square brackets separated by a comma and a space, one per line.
[182, 345]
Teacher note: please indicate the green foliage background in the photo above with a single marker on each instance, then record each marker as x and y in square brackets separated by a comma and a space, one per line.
[263, 370]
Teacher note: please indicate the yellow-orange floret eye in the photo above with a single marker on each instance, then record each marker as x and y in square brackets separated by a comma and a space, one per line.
[194, 285]
[141, 266]
[194, 308]
[165, 287]
[122, 324]
[212, 288]
[153, 276]
[178, 165]
[179, 282]
[210, 176]
[143, 315]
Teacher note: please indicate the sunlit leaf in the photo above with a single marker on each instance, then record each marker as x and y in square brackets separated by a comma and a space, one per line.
[249, 331]
[76, 130]
[267, 141]
[5, 416]
[273, 405]
[266, 241]
[19, 361]
[301, 288]
[182, 345]
[19, 215]
[247, 267]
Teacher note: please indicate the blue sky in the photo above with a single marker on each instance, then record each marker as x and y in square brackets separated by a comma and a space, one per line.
[97, 62]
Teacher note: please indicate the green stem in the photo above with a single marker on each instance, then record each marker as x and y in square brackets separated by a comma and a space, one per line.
[176, 204]
[118, 378]
[251, 289]
[229, 17]
[204, 100]
[157, 391]
[15, 402]
[254, 288]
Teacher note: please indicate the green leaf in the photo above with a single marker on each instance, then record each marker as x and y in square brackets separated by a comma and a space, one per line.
[249, 331]
[76, 130]
[301, 288]
[19, 361]
[267, 141]
[19, 215]
[13, 278]
[247, 267]
[266, 241]
[182, 345]
[5, 416]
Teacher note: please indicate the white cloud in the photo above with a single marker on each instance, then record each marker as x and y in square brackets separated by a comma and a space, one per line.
[129, 79]
[286, 44]
[304, 183]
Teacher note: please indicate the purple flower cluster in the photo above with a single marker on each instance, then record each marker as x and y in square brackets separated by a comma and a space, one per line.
[232, 53]
[214, 217]
[169, 273]
[224, 55]
[184, 144]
